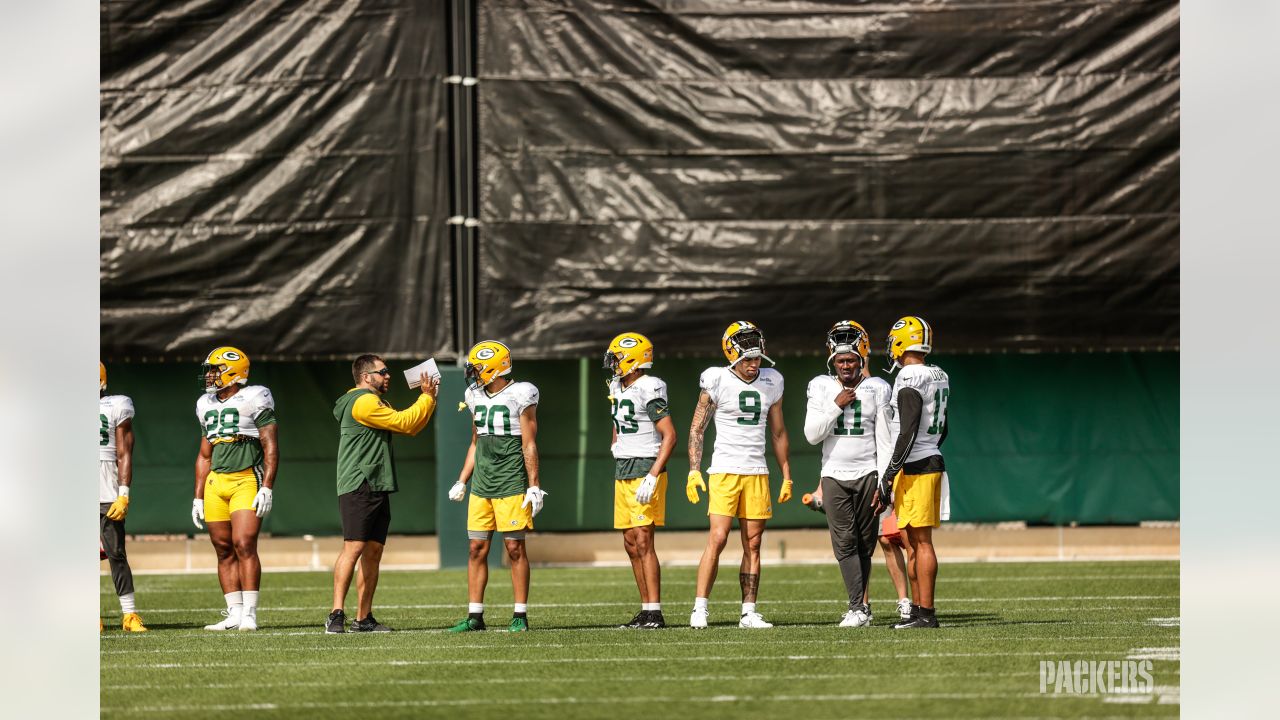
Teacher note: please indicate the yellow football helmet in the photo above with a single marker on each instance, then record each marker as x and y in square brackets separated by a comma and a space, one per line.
[627, 352]
[743, 340]
[102, 376]
[487, 361]
[909, 334]
[232, 366]
[848, 336]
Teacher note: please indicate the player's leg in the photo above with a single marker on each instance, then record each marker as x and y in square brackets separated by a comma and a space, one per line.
[244, 539]
[897, 567]
[866, 530]
[228, 572]
[370, 563]
[838, 501]
[481, 522]
[752, 534]
[625, 510]
[111, 535]
[477, 569]
[519, 560]
[343, 569]
[717, 537]
[631, 545]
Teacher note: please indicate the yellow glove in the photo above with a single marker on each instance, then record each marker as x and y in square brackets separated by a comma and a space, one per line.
[785, 494]
[119, 508]
[695, 484]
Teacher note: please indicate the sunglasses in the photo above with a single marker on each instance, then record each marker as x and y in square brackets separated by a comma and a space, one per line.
[383, 372]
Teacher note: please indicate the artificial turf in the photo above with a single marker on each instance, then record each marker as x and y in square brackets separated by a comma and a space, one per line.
[999, 622]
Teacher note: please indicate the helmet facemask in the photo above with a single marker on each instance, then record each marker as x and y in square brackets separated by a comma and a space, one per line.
[749, 343]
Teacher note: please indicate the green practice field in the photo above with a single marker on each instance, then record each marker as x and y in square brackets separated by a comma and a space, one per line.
[999, 622]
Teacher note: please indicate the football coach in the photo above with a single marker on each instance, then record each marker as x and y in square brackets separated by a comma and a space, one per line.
[366, 479]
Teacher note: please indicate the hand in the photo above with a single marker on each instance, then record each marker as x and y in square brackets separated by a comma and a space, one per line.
[813, 500]
[458, 491]
[262, 502]
[695, 484]
[884, 493]
[785, 494]
[644, 493]
[118, 509]
[197, 512]
[846, 396]
[430, 385]
[533, 497]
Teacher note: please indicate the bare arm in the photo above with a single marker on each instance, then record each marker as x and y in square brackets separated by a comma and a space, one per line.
[667, 430]
[124, 452]
[270, 454]
[702, 413]
[778, 434]
[469, 465]
[204, 459]
[529, 442]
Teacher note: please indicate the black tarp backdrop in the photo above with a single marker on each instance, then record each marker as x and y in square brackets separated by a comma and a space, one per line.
[276, 173]
[1007, 170]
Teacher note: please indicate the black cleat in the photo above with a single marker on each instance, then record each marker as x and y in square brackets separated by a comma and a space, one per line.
[336, 623]
[638, 621]
[655, 621]
[920, 618]
[369, 624]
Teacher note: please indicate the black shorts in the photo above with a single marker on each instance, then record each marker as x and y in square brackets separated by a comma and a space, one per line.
[366, 514]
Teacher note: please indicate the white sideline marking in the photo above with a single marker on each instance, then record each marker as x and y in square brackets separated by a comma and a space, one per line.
[1166, 622]
[1155, 653]
[645, 659]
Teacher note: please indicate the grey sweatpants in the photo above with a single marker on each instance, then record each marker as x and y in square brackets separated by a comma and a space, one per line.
[112, 533]
[853, 527]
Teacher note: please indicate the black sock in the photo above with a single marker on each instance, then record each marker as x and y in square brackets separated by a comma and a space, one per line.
[476, 616]
[522, 616]
[925, 612]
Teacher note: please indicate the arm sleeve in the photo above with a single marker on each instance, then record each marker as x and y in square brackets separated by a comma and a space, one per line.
[820, 415]
[369, 412]
[910, 408]
[884, 435]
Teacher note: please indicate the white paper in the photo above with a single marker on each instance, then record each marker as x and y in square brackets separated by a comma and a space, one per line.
[413, 375]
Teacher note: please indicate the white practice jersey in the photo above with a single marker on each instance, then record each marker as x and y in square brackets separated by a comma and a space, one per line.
[634, 409]
[112, 410]
[499, 414]
[742, 418]
[223, 420]
[934, 388]
[857, 439]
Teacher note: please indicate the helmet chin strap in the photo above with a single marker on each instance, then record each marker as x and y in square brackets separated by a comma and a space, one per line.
[746, 356]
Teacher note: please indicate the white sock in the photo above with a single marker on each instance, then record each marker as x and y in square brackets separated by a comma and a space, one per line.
[475, 607]
[126, 604]
[250, 599]
[748, 608]
[699, 603]
[650, 606]
[521, 608]
[234, 600]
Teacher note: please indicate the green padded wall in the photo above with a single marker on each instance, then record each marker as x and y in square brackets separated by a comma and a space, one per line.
[1088, 438]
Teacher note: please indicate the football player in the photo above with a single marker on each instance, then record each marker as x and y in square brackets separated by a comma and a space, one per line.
[643, 439]
[235, 473]
[743, 398]
[115, 475]
[502, 469]
[915, 476]
[846, 415]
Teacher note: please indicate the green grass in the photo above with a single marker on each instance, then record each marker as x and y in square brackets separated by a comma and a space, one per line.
[999, 621]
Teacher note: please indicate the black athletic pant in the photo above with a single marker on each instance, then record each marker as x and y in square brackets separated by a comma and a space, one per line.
[854, 528]
[112, 532]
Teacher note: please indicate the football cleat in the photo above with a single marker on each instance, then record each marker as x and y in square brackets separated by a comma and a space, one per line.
[487, 361]
[369, 624]
[909, 334]
[627, 352]
[698, 618]
[132, 622]
[336, 623]
[637, 621]
[904, 608]
[231, 622]
[468, 624]
[857, 617]
[920, 618]
[518, 624]
[753, 620]
[743, 340]
[230, 365]
[655, 621]
[248, 621]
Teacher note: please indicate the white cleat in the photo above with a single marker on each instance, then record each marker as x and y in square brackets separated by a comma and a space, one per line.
[859, 617]
[698, 619]
[248, 622]
[904, 608]
[231, 623]
[753, 620]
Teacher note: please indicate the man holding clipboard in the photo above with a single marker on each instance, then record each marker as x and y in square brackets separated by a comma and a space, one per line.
[367, 477]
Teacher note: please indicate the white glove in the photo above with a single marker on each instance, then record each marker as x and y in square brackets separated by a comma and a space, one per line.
[533, 496]
[262, 502]
[458, 491]
[644, 493]
[197, 512]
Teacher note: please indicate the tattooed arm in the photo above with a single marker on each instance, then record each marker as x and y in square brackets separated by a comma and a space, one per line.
[701, 416]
